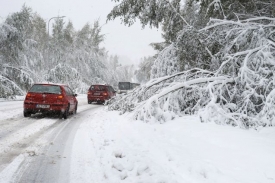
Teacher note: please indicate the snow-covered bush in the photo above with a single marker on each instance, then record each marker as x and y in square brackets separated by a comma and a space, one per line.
[167, 63]
[14, 81]
[8, 88]
[239, 91]
[163, 98]
[267, 115]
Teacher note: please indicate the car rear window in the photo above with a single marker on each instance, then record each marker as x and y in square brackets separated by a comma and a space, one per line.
[97, 88]
[124, 85]
[46, 89]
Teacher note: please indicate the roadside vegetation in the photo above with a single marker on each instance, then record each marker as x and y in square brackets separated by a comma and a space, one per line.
[217, 61]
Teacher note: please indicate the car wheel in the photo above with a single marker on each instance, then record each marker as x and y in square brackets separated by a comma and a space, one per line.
[66, 113]
[89, 102]
[27, 114]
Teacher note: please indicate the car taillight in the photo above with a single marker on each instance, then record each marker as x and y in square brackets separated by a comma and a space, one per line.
[104, 94]
[60, 98]
[28, 96]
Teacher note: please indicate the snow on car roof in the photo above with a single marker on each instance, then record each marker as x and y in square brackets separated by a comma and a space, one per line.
[49, 83]
[101, 84]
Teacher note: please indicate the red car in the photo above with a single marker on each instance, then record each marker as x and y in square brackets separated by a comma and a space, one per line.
[52, 98]
[100, 93]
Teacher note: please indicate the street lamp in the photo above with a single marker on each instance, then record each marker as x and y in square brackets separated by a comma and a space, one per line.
[49, 23]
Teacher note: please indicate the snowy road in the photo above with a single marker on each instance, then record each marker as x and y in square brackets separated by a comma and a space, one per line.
[100, 146]
[36, 149]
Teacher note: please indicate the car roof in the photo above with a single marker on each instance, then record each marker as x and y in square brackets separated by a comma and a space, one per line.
[56, 84]
[100, 85]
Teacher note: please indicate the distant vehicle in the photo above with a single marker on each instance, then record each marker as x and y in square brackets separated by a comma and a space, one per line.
[100, 93]
[126, 86]
[50, 98]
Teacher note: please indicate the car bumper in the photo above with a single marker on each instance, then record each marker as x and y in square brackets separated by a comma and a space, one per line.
[33, 107]
[97, 98]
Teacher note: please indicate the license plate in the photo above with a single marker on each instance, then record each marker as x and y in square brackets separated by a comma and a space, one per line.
[42, 106]
[96, 93]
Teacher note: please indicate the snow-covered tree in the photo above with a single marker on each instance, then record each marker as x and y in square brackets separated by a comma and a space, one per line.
[221, 70]
[28, 54]
[78, 52]
[143, 73]
[16, 44]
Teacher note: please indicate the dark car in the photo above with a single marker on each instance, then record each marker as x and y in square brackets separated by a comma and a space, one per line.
[100, 93]
[124, 87]
[50, 98]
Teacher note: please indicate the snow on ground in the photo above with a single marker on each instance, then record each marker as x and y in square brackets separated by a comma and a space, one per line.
[15, 98]
[10, 109]
[114, 148]
[110, 148]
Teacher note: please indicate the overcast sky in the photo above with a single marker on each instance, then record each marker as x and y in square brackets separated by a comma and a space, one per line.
[130, 43]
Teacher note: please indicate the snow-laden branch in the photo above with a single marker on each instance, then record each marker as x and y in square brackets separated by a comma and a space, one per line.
[258, 18]
[162, 79]
[175, 11]
[9, 85]
[239, 92]
[147, 109]
[250, 23]
[221, 23]
[187, 84]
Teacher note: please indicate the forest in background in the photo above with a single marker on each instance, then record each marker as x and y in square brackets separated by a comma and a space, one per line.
[217, 61]
[30, 53]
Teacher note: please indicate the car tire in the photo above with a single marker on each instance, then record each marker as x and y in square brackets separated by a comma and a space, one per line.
[89, 102]
[26, 114]
[66, 113]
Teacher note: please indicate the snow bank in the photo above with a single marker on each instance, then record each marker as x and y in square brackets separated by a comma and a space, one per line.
[114, 148]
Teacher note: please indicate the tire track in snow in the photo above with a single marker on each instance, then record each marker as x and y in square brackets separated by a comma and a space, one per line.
[19, 134]
[12, 125]
[49, 152]
[15, 143]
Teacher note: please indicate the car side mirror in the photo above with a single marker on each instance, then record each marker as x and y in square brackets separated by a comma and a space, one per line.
[75, 95]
